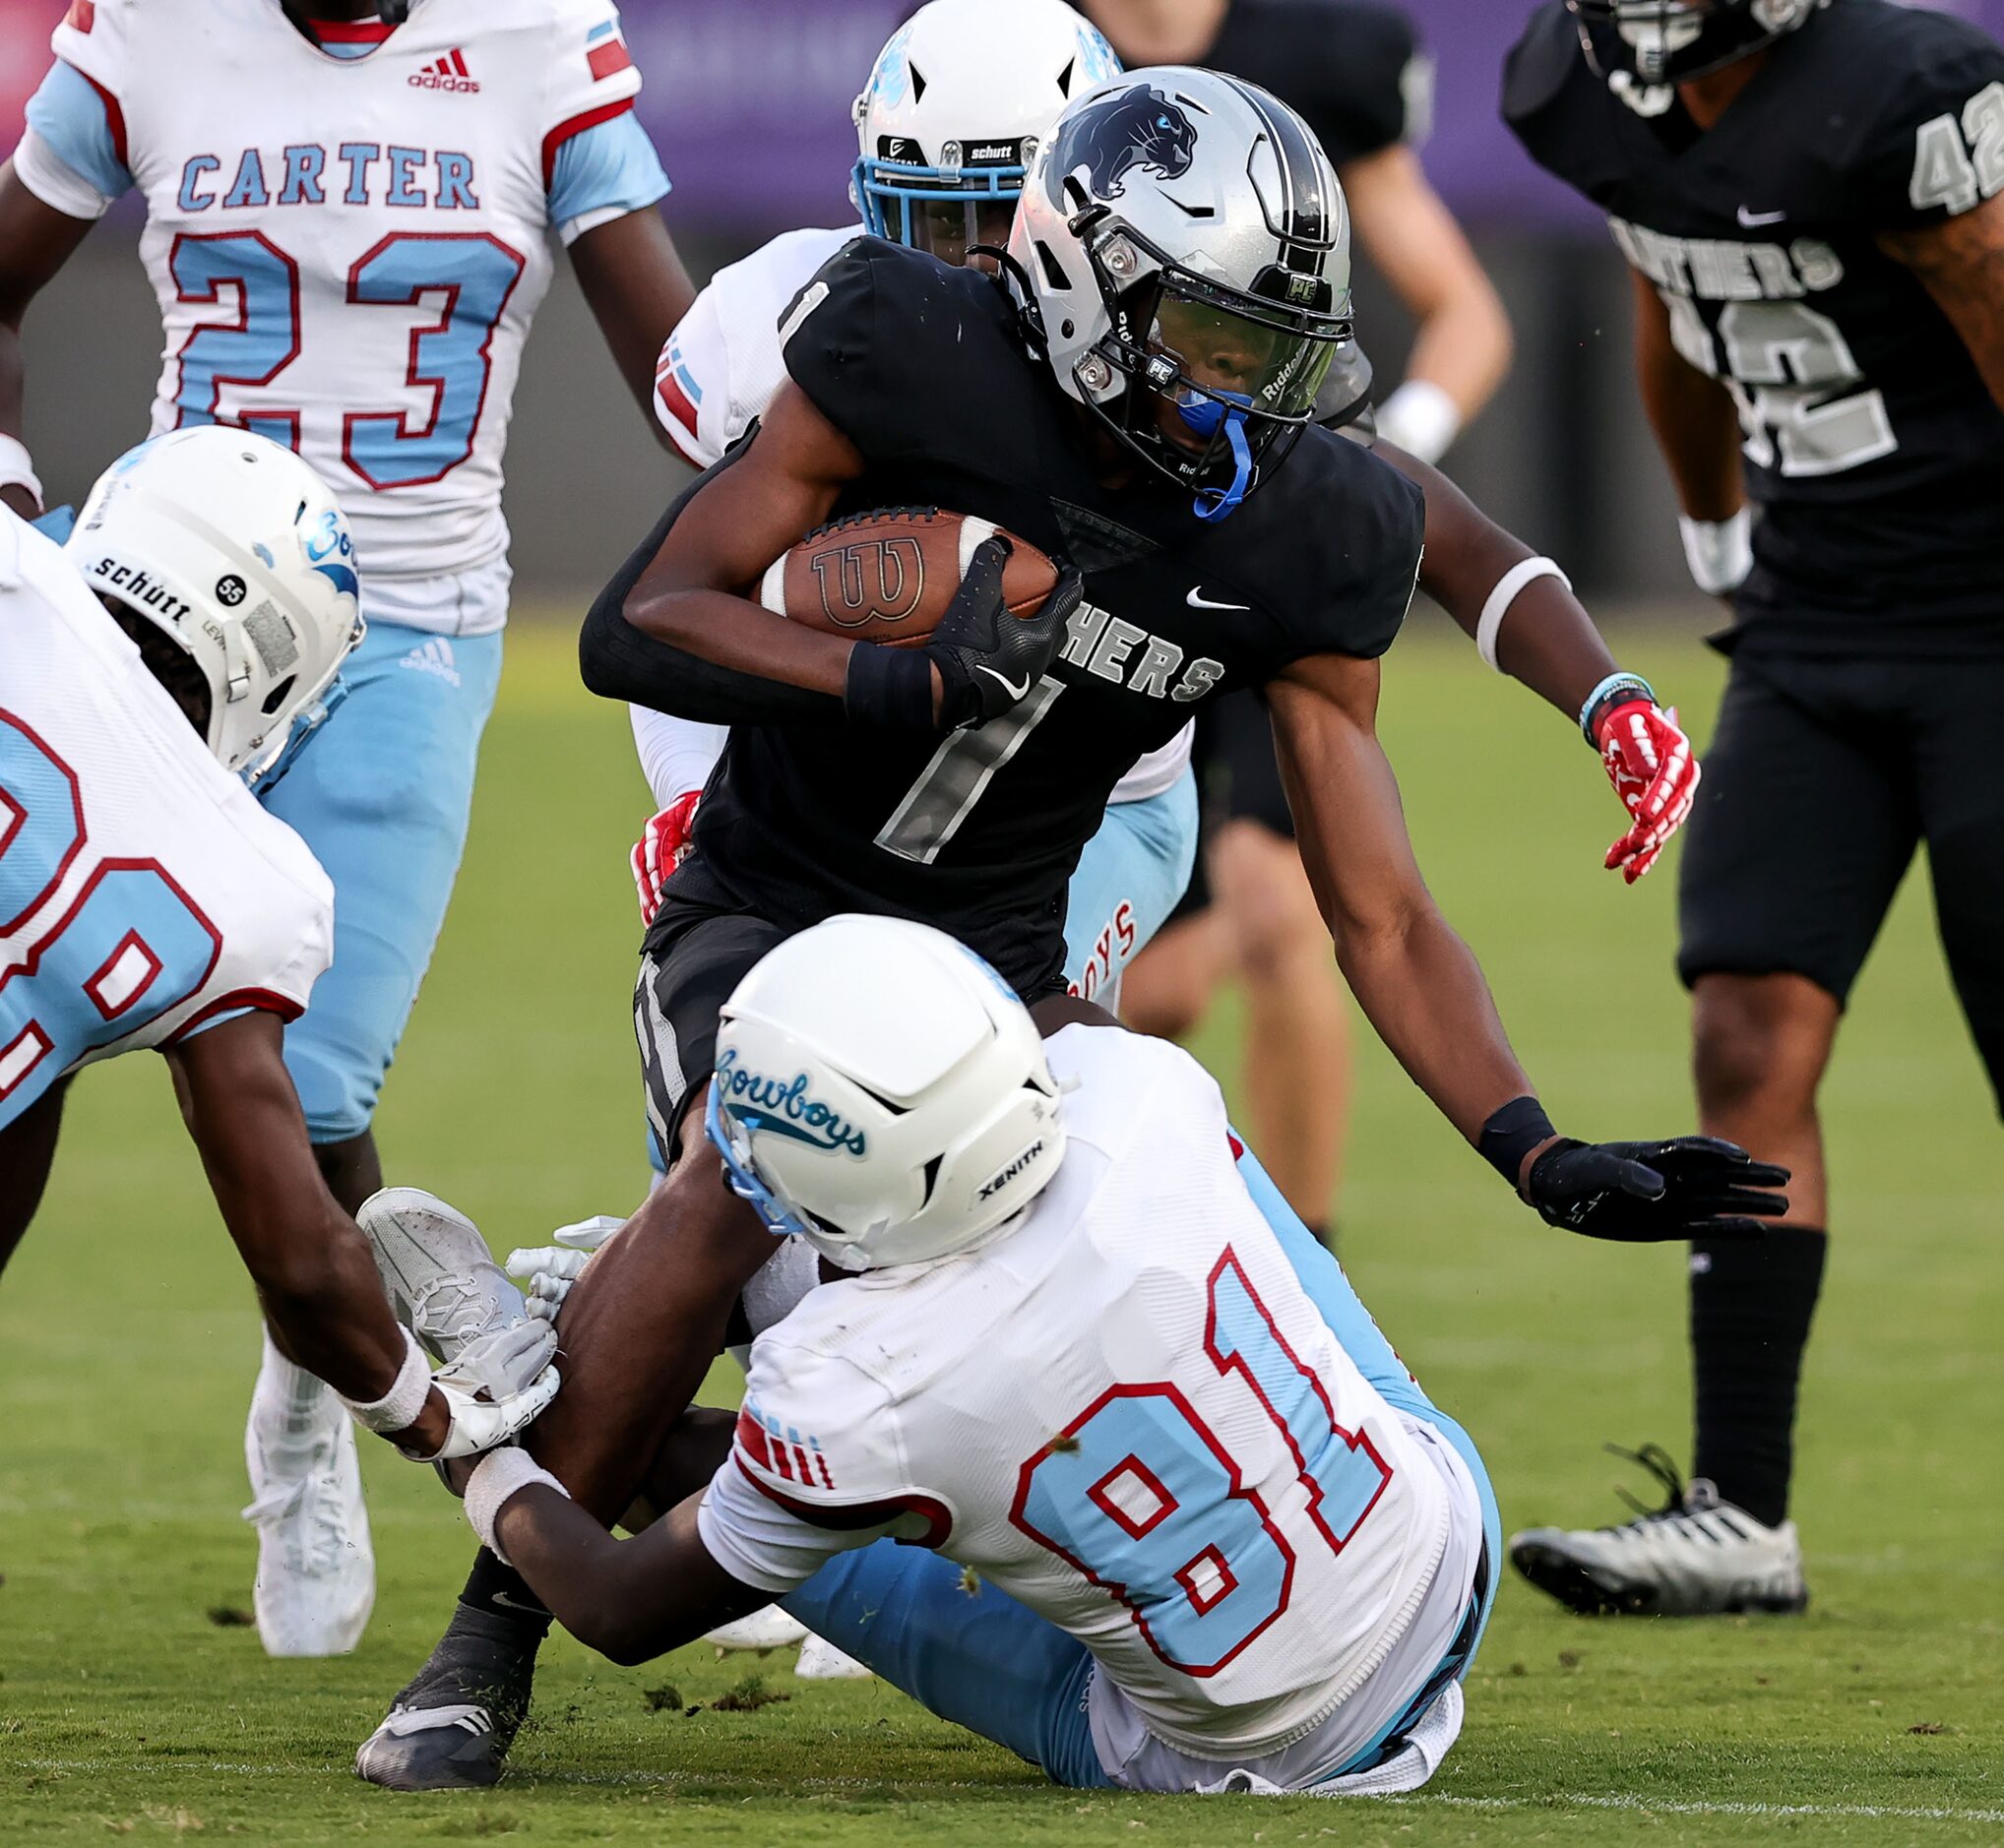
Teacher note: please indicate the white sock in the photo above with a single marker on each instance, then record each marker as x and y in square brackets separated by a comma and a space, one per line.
[293, 1417]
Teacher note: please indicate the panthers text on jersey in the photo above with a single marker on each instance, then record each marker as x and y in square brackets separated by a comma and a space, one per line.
[925, 369]
[348, 250]
[1123, 1411]
[1871, 443]
[144, 892]
[717, 374]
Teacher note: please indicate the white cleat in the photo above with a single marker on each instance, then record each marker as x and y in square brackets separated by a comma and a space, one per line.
[1695, 1557]
[443, 1282]
[769, 1628]
[316, 1581]
[821, 1660]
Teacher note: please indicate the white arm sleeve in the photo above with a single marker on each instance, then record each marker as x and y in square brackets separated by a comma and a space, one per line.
[760, 1543]
[676, 755]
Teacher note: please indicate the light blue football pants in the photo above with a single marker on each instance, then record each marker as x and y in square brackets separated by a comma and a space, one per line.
[381, 794]
[988, 1664]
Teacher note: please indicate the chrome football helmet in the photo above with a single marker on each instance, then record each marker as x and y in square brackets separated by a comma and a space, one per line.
[956, 105]
[1670, 42]
[1184, 248]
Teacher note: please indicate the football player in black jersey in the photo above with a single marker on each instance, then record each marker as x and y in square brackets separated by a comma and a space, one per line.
[1356, 73]
[1808, 198]
[1135, 397]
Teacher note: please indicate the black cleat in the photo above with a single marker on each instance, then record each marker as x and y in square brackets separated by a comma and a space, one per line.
[450, 1726]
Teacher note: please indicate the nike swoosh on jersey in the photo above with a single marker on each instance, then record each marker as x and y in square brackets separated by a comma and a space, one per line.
[1753, 221]
[1007, 685]
[1198, 601]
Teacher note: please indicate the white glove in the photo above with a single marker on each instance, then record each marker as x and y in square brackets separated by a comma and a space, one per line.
[499, 1385]
[551, 1270]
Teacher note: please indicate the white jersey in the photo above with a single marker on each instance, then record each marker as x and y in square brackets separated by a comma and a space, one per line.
[1123, 1411]
[143, 892]
[347, 250]
[719, 371]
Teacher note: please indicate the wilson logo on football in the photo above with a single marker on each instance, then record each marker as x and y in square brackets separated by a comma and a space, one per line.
[446, 73]
[870, 580]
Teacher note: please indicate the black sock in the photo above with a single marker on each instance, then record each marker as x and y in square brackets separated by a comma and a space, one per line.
[1751, 1305]
[497, 1590]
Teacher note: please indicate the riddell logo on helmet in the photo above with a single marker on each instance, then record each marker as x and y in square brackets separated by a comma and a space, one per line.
[446, 73]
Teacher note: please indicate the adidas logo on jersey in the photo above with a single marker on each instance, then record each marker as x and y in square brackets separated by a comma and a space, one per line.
[433, 657]
[449, 72]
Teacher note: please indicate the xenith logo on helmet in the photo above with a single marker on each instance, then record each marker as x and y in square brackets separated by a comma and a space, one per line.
[993, 1186]
[783, 1106]
[1135, 127]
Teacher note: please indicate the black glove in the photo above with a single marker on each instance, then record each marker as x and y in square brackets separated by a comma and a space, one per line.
[988, 660]
[1643, 1192]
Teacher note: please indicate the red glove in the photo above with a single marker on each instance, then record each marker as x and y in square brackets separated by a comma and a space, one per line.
[1649, 762]
[664, 845]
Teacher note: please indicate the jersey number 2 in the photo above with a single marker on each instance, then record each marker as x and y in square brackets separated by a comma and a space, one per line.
[468, 275]
[1137, 1494]
[131, 945]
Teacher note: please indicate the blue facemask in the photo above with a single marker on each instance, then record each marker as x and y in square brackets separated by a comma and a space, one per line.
[744, 1180]
[1204, 415]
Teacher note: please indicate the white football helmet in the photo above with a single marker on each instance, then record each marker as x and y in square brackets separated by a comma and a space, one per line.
[1185, 248]
[954, 112]
[230, 544]
[881, 1093]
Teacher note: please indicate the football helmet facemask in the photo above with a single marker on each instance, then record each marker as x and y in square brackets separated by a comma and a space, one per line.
[1672, 41]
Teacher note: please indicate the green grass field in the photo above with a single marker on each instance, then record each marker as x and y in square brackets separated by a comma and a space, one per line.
[132, 1702]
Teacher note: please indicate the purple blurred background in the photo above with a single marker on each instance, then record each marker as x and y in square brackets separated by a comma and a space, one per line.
[749, 102]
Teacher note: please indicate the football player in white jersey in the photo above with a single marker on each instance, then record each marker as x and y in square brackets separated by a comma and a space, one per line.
[147, 901]
[348, 229]
[956, 105]
[1176, 1518]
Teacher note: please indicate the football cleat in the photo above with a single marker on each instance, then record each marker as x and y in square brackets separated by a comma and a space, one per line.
[1696, 1556]
[450, 1726]
[316, 1578]
[443, 1282]
[769, 1628]
[821, 1660]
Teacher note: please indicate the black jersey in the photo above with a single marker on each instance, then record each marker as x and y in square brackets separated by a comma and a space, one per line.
[1351, 69]
[925, 369]
[1871, 443]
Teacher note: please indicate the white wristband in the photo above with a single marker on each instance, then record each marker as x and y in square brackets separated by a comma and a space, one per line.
[1420, 418]
[17, 467]
[398, 1407]
[1719, 552]
[1508, 589]
[497, 1477]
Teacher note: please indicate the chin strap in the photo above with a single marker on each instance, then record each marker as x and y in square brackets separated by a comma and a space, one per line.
[1204, 416]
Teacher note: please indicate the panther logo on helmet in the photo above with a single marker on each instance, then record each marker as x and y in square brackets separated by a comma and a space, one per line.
[1135, 127]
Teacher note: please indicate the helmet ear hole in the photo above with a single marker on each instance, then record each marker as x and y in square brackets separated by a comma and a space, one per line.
[277, 697]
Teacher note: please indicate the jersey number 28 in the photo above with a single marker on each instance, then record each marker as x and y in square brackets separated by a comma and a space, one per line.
[1139, 1495]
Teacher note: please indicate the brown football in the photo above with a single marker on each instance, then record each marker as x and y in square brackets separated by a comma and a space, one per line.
[889, 577]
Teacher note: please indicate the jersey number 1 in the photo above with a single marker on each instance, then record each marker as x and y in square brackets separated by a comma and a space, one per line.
[1137, 1494]
[469, 273]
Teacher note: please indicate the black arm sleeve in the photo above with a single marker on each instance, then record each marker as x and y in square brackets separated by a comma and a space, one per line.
[619, 662]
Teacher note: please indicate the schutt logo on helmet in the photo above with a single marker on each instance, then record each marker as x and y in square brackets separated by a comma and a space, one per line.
[1135, 127]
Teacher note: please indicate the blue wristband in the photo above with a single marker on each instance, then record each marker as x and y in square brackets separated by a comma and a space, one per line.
[1609, 693]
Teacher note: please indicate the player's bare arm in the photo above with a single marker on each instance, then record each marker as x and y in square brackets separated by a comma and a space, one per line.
[634, 282]
[1414, 977]
[1464, 342]
[1692, 415]
[36, 242]
[1960, 264]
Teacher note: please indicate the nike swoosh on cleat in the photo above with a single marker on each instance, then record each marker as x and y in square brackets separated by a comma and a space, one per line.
[1198, 601]
[1753, 221]
[1007, 685]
